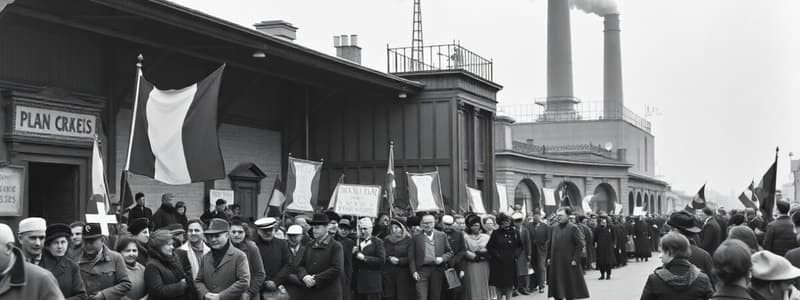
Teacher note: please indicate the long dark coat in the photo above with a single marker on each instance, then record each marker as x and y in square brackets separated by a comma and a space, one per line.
[229, 279]
[605, 239]
[564, 280]
[323, 259]
[367, 273]
[67, 273]
[162, 277]
[641, 239]
[347, 264]
[397, 281]
[504, 246]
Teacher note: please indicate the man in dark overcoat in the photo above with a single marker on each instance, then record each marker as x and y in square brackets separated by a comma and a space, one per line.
[539, 233]
[368, 259]
[427, 259]
[224, 272]
[565, 280]
[320, 268]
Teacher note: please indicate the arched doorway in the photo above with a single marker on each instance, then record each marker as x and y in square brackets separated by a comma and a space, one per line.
[569, 195]
[647, 206]
[631, 204]
[660, 205]
[639, 199]
[527, 196]
[604, 198]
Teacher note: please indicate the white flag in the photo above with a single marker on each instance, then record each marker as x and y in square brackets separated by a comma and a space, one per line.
[98, 176]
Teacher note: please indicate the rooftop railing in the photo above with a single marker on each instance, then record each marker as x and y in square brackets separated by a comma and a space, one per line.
[438, 58]
[584, 111]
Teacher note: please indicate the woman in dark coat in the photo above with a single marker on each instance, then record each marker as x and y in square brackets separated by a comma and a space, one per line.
[605, 242]
[641, 239]
[320, 267]
[54, 259]
[368, 258]
[677, 279]
[164, 276]
[397, 281]
[504, 246]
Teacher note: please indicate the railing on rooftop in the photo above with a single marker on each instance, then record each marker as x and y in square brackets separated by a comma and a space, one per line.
[584, 111]
[524, 147]
[438, 58]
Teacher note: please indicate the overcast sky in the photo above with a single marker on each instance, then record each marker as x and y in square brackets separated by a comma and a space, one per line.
[725, 74]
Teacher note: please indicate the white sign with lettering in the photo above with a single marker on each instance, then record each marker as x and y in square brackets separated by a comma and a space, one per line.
[358, 200]
[214, 195]
[11, 190]
[54, 122]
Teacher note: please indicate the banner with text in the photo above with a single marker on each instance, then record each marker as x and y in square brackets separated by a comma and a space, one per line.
[11, 183]
[357, 200]
[302, 184]
[54, 122]
[213, 195]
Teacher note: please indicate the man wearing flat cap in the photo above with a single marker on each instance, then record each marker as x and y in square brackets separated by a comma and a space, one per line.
[103, 270]
[31, 238]
[23, 280]
[275, 254]
[456, 239]
[224, 272]
[684, 223]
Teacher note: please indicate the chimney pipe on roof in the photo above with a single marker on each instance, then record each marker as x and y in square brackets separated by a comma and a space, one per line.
[560, 98]
[347, 47]
[278, 28]
[612, 69]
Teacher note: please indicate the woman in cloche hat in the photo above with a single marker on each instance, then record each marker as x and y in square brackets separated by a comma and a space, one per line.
[54, 259]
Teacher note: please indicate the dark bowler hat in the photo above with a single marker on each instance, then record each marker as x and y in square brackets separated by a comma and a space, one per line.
[92, 231]
[217, 225]
[683, 220]
[55, 231]
[319, 219]
[333, 216]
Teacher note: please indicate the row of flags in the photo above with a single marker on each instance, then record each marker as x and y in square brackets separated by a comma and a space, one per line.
[760, 197]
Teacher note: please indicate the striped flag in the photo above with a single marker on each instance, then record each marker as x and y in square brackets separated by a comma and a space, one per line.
[425, 191]
[175, 133]
[748, 197]
[390, 182]
[99, 176]
[699, 199]
[302, 185]
[766, 190]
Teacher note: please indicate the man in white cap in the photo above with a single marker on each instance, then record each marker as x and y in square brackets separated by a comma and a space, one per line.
[275, 254]
[31, 238]
[456, 239]
[20, 279]
[294, 238]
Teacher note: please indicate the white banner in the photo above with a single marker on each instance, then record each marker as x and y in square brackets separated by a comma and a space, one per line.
[477, 200]
[305, 172]
[502, 197]
[11, 184]
[549, 197]
[425, 198]
[638, 211]
[358, 200]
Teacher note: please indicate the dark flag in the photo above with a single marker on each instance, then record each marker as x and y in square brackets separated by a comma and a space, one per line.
[747, 197]
[390, 182]
[125, 195]
[276, 199]
[699, 199]
[174, 137]
[766, 190]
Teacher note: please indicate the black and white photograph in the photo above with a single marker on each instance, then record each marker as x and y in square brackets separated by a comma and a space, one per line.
[399, 150]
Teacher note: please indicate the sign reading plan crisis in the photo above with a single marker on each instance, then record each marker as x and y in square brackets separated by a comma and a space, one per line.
[54, 122]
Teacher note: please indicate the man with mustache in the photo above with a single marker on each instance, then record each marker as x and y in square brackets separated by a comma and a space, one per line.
[31, 238]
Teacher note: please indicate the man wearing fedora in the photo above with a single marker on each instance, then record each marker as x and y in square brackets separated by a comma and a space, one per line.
[224, 272]
[103, 271]
[320, 267]
[682, 222]
[275, 254]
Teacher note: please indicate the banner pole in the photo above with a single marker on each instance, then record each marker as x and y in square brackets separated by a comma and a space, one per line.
[124, 182]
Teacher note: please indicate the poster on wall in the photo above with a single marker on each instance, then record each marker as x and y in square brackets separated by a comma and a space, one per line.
[358, 200]
[302, 184]
[11, 183]
[213, 195]
[549, 197]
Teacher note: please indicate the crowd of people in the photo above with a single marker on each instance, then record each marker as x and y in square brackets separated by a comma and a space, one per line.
[165, 255]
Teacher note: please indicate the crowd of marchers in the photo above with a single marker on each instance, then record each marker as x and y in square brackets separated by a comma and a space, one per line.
[167, 255]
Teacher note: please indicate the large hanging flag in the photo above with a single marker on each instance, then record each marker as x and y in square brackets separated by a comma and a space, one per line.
[425, 191]
[99, 176]
[699, 199]
[766, 190]
[302, 185]
[390, 182]
[175, 137]
[747, 197]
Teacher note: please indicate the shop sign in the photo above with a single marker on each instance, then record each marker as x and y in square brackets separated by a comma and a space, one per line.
[28, 119]
[11, 190]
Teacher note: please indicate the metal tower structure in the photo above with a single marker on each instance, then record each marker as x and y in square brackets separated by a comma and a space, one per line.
[417, 57]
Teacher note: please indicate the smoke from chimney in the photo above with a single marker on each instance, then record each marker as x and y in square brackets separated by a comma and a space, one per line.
[598, 7]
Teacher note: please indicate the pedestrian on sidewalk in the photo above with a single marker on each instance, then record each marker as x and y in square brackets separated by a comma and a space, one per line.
[605, 245]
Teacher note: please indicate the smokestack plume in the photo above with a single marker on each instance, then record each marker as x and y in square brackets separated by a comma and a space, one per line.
[560, 96]
[612, 68]
[597, 7]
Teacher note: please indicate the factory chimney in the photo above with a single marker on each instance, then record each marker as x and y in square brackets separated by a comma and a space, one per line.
[612, 69]
[560, 103]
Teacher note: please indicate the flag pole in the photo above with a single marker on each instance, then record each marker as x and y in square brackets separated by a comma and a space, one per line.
[139, 60]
